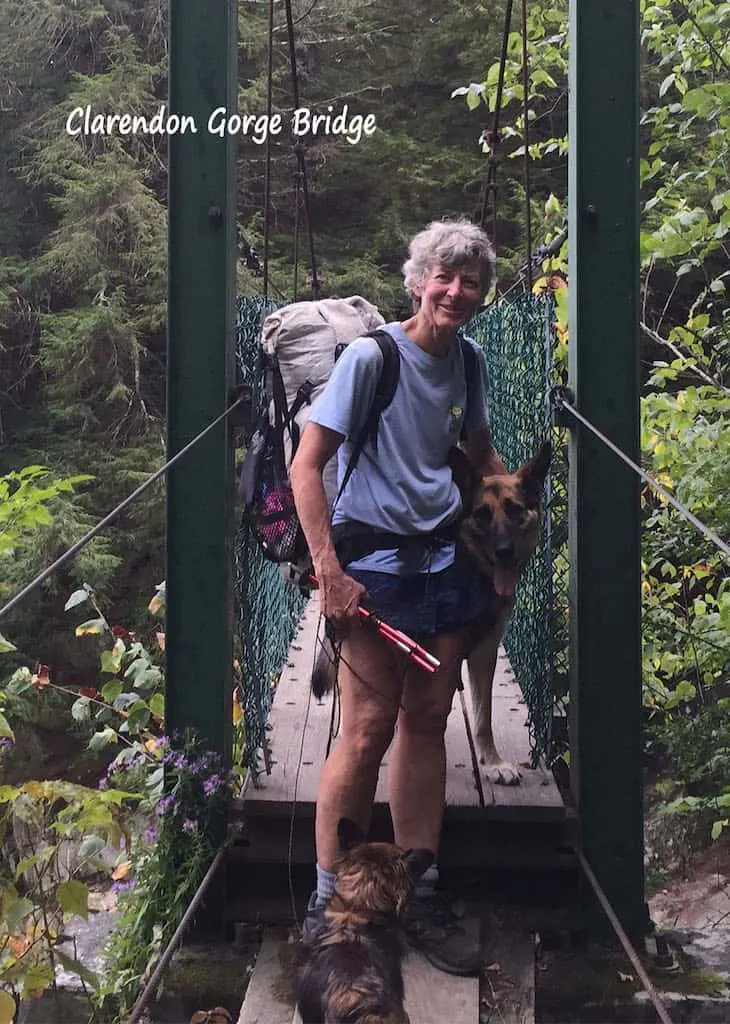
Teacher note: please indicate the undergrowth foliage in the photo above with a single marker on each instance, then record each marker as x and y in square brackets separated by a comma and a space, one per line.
[153, 825]
[168, 859]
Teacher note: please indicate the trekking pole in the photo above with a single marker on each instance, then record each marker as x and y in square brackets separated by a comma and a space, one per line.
[419, 655]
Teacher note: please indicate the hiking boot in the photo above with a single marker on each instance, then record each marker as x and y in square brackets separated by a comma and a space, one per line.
[314, 920]
[449, 943]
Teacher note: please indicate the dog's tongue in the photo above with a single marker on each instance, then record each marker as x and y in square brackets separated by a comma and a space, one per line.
[505, 580]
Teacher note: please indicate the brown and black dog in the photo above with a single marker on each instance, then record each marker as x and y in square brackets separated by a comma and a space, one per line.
[349, 962]
[499, 534]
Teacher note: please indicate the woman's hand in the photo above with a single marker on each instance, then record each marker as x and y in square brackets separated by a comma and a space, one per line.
[339, 596]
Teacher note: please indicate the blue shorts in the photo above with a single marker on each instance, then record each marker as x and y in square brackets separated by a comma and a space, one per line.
[426, 604]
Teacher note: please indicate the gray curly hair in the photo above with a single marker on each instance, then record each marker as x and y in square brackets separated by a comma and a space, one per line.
[451, 243]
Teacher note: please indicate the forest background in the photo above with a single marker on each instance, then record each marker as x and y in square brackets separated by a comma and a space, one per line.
[83, 239]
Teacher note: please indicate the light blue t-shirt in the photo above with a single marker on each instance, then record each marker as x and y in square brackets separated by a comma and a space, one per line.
[407, 487]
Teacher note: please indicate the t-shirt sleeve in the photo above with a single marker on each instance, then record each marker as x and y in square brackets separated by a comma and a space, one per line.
[348, 396]
[477, 408]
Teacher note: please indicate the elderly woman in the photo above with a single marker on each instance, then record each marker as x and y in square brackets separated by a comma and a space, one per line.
[402, 485]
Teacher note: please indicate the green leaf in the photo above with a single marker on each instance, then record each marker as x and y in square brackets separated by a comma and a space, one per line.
[668, 81]
[81, 710]
[6, 733]
[78, 597]
[102, 739]
[15, 912]
[37, 980]
[5, 645]
[73, 897]
[7, 1008]
[111, 690]
[718, 826]
[91, 846]
[110, 662]
[92, 627]
[157, 705]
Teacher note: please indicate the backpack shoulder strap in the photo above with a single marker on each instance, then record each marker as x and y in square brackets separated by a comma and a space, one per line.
[384, 392]
[470, 373]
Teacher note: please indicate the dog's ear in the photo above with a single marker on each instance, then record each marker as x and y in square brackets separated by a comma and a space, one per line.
[349, 834]
[532, 474]
[418, 861]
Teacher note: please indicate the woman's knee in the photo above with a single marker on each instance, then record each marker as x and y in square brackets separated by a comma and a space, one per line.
[368, 738]
[427, 720]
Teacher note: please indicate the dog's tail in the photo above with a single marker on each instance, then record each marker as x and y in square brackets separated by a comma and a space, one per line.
[324, 675]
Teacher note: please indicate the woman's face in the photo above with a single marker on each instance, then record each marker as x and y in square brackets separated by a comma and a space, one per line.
[451, 295]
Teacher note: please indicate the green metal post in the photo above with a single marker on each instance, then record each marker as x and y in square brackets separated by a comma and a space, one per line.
[605, 600]
[201, 299]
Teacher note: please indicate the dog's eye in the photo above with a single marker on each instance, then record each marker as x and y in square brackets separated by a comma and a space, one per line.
[513, 510]
[483, 515]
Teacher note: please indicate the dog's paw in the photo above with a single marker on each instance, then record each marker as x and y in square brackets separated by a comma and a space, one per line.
[502, 773]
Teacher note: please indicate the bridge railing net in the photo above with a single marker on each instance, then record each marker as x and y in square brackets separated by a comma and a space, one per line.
[267, 608]
[517, 340]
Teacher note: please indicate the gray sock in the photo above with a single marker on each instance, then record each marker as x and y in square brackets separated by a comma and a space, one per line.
[325, 887]
[428, 882]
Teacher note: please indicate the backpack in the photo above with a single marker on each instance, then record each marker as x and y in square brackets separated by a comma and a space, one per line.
[300, 345]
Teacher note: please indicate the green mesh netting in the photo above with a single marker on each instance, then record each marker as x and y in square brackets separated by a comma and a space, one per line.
[267, 608]
[517, 340]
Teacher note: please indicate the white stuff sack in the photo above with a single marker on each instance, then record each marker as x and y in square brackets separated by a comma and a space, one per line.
[303, 336]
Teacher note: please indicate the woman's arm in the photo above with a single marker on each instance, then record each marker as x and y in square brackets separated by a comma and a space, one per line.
[482, 454]
[339, 593]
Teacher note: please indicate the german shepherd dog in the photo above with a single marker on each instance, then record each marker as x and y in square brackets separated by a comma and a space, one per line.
[349, 963]
[499, 533]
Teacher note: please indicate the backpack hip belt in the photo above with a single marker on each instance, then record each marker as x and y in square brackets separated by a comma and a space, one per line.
[354, 540]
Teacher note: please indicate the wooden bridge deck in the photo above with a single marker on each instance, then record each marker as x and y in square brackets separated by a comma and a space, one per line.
[520, 827]
[299, 733]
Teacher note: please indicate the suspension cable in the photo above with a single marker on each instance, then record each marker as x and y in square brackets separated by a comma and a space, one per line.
[623, 938]
[561, 402]
[302, 167]
[90, 534]
[492, 136]
[148, 992]
[267, 166]
[525, 107]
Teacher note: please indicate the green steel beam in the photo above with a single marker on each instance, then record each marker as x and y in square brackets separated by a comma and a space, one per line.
[605, 599]
[201, 299]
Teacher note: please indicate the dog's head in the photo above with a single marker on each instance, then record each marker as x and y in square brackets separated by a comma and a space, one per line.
[375, 877]
[502, 529]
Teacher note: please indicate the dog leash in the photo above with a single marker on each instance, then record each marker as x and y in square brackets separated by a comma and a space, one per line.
[472, 748]
[417, 654]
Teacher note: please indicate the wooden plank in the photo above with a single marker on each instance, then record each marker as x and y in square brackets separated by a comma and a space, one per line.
[433, 997]
[269, 998]
[537, 796]
[508, 986]
[300, 731]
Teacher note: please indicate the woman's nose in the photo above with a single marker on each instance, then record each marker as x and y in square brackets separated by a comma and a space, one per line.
[455, 286]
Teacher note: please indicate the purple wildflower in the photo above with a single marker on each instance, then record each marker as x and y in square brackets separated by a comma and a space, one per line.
[166, 804]
[120, 887]
[150, 835]
[5, 744]
[211, 784]
[189, 826]
[103, 784]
